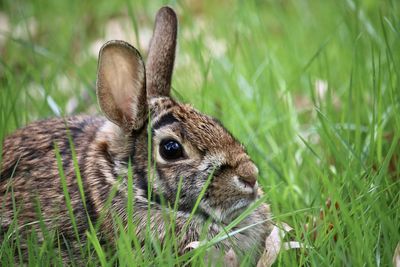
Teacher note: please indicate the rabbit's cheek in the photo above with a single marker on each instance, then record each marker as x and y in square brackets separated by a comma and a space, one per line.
[168, 178]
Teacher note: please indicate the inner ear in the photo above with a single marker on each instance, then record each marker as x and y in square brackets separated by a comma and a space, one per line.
[121, 85]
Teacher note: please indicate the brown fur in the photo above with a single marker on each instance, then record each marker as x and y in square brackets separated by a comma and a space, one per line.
[30, 172]
[160, 61]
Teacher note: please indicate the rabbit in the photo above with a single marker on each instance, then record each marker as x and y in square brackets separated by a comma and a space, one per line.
[186, 146]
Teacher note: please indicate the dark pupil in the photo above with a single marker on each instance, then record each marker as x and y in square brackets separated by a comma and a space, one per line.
[170, 149]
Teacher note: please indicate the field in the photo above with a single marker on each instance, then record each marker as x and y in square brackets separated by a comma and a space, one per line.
[311, 88]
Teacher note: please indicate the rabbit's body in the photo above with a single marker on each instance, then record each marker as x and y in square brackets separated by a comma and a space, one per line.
[30, 172]
[30, 169]
[184, 145]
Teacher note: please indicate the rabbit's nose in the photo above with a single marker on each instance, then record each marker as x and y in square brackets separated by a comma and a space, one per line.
[248, 180]
[248, 173]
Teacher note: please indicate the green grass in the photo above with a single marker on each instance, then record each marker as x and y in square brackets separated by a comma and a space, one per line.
[312, 88]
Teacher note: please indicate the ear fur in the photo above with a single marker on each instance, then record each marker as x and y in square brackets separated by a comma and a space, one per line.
[121, 85]
[160, 61]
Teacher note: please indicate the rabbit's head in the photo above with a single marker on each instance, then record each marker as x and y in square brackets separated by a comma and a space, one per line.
[185, 144]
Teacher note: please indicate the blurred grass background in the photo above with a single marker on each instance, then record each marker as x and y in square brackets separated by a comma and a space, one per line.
[310, 87]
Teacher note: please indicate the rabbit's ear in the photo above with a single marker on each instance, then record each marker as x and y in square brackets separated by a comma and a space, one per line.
[121, 85]
[160, 62]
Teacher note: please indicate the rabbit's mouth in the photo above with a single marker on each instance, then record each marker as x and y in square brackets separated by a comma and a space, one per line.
[225, 203]
[223, 214]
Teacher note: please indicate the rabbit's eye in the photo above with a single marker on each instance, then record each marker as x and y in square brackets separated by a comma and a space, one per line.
[170, 149]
